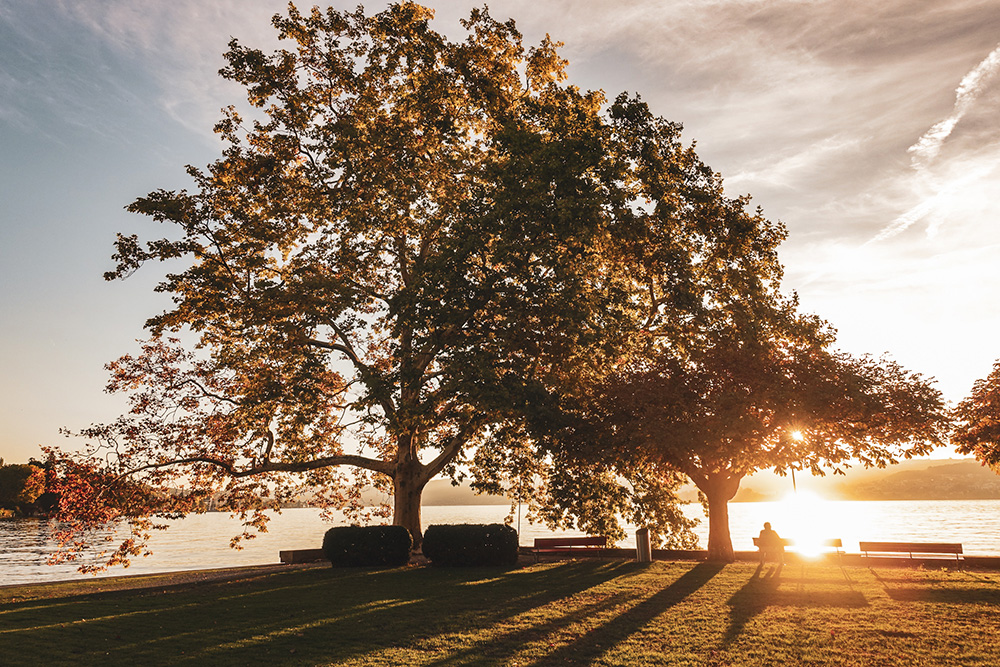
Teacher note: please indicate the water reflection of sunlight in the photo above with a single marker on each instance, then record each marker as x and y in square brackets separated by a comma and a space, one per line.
[803, 520]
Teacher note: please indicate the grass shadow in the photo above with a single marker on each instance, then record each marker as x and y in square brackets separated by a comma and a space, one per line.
[516, 640]
[763, 591]
[928, 589]
[317, 616]
[598, 641]
[945, 595]
[450, 600]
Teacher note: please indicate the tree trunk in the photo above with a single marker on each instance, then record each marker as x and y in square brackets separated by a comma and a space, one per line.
[410, 476]
[719, 488]
[407, 489]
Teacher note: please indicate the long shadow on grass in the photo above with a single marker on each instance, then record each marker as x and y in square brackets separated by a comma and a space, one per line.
[51, 603]
[588, 647]
[923, 591]
[308, 617]
[598, 641]
[502, 648]
[763, 591]
[946, 595]
[454, 604]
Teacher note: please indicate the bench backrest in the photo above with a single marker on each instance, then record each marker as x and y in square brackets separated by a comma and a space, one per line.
[911, 547]
[836, 543]
[784, 541]
[559, 542]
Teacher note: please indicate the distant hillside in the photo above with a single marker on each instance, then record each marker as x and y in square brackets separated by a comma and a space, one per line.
[922, 479]
[966, 480]
[441, 492]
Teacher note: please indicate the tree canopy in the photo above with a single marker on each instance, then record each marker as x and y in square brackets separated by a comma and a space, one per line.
[761, 387]
[20, 485]
[977, 420]
[410, 249]
[415, 254]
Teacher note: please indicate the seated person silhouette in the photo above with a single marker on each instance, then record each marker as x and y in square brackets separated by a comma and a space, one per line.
[770, 545]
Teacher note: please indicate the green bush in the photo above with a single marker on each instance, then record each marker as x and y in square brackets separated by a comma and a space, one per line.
[352, 546]
[471, 544]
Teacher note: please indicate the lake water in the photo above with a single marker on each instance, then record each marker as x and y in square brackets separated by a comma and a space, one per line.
[202, 541]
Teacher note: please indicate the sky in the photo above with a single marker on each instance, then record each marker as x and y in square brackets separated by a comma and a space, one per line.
[870, 129]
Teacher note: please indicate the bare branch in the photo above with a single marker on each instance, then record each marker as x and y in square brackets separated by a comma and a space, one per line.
[205, 392]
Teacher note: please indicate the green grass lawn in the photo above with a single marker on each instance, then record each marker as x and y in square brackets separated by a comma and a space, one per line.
[562, 613]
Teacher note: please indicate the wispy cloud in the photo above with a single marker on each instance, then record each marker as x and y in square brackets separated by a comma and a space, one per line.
[904, 221]
[787, 171]
[180, 45]
[972, 85]
[959, 195]
[944, 188]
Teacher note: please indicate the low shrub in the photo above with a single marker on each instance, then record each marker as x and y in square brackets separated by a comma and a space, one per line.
[352, 546]
[471, 544]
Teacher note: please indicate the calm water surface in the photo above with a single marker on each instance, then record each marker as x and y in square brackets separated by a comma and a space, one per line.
[202, 541]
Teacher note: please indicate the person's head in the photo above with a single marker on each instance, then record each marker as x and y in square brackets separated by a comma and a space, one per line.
[767, 525]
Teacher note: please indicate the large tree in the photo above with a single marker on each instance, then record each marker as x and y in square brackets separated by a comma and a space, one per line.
[977, 420]
[412, 245]
[20, 485]
[759, 387]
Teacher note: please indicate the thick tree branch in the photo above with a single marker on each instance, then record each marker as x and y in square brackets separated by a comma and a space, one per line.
[375, 465]
[369, 376]
[450, 450]
[270, 446]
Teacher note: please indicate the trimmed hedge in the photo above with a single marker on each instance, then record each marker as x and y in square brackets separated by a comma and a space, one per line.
[352, 546]
[471, 544]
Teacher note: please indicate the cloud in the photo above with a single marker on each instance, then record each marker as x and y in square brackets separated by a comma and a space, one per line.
[904, 221]
[55, 79]
[179, 44]
[972, 85]
[948, 186]
[787, 171]
[960, 195]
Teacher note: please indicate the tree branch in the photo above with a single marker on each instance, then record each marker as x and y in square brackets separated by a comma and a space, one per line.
[450, 450]
[205, 392]
[375, 465]
[367, 374]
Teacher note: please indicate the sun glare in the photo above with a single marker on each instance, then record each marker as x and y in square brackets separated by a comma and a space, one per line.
[797, 436]
[802, 512]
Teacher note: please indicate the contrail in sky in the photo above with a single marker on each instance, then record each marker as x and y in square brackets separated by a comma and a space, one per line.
[929, 145]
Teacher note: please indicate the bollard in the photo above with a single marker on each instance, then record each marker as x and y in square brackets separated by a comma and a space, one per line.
[643, 554]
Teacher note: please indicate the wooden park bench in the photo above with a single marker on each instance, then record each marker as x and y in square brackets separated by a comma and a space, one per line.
[834, 543]
[551, 545]
[301, 556]
[913, 549]
[784, 541]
